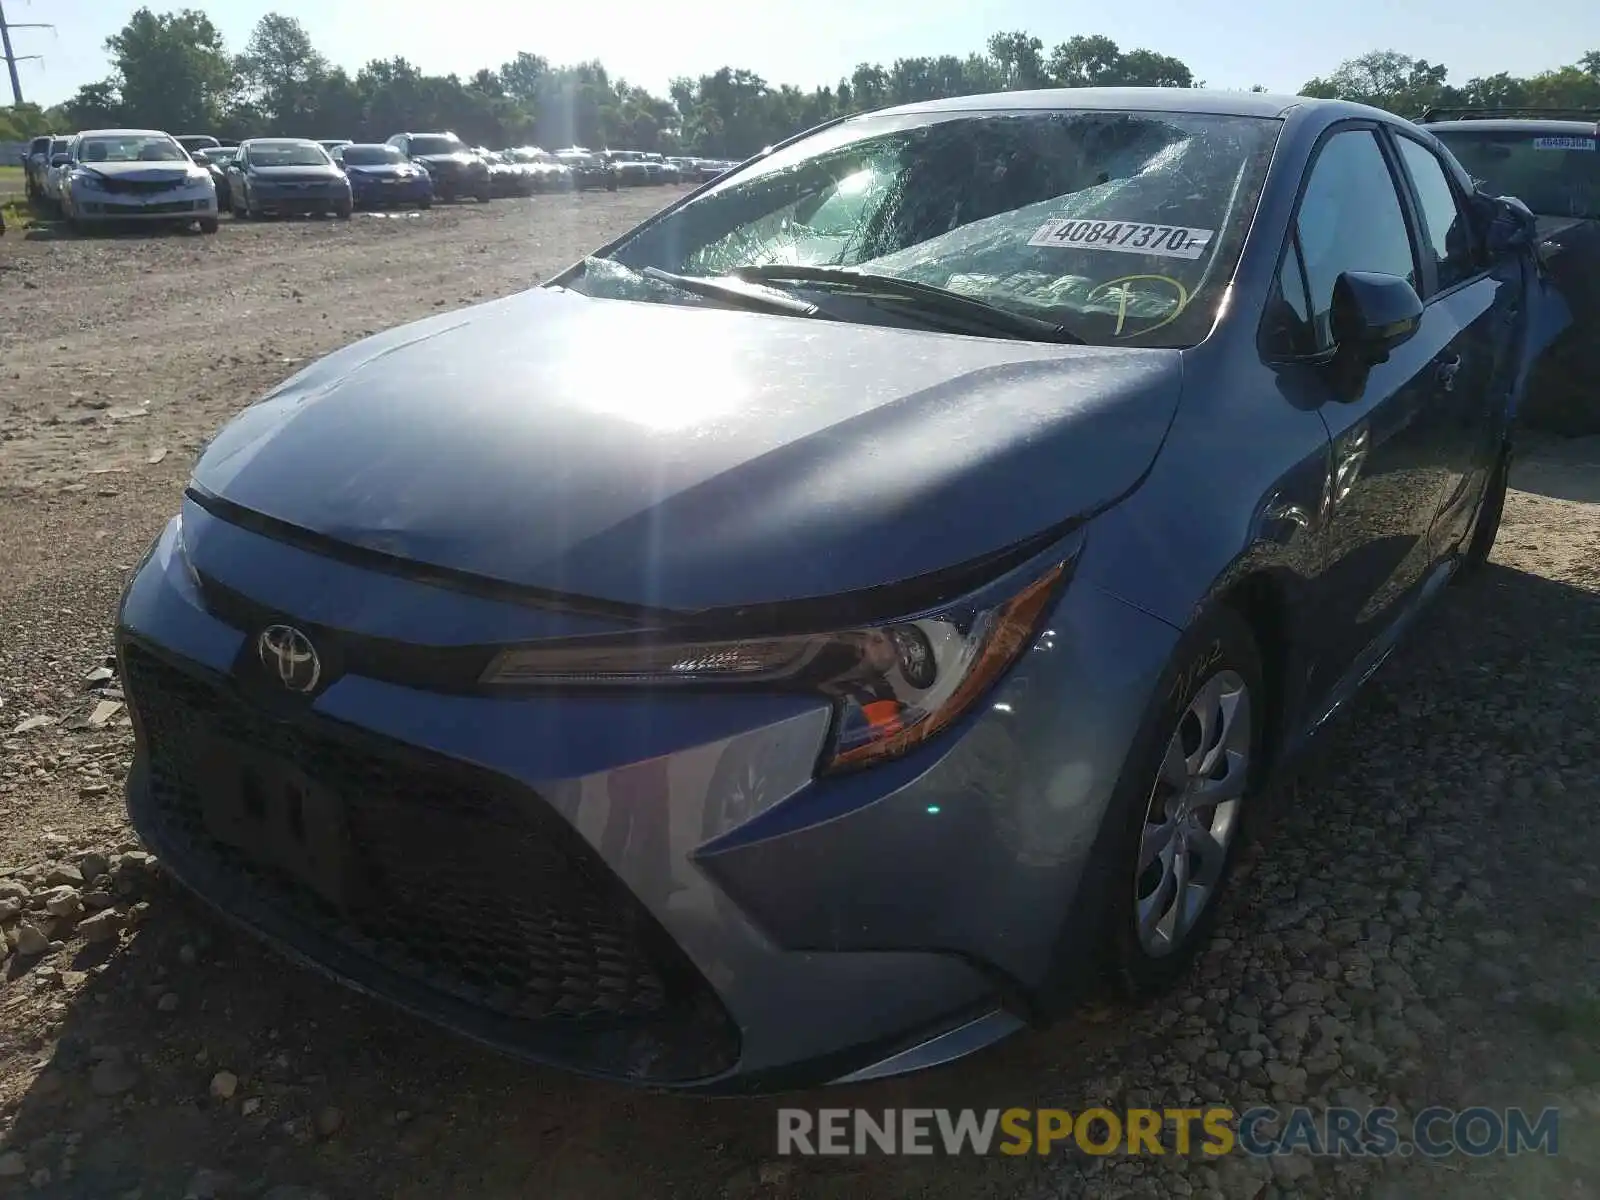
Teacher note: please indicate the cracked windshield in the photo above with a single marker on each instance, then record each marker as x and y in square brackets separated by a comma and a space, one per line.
[1122, 227]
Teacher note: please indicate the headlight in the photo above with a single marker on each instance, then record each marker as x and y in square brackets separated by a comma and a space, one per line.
[89, 182]
[199, 175]
[893, 685]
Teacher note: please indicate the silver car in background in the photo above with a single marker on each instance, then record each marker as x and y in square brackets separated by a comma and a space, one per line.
[114, 175]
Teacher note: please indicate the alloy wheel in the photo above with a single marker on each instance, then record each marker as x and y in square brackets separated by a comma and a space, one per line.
[1193, 814]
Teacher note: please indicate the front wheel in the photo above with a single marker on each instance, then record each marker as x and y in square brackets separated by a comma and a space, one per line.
[1167, 851]
[343, 211]
[484, 197]
[209, 225]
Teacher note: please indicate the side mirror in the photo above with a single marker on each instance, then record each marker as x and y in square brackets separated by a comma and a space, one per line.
[60, 160]
[1372, 314]
[1510, 226]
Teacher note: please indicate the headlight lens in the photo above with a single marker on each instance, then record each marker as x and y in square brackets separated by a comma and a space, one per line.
[89, 182]
[893, 685]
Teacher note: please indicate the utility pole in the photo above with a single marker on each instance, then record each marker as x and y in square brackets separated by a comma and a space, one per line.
[13, 59]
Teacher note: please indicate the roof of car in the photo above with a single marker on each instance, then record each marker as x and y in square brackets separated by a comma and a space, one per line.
[1146, 99]
[83, 133]
[1557, 128]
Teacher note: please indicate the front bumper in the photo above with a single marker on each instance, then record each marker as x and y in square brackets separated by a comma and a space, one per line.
[285, 199]
[391, 191]
[648, 892]
[183, 203]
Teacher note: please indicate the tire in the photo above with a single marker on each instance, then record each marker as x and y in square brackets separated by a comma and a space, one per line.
[343, 211]
[1486, 526]
[1217, 667]
[209, 225]
[485, 197]
[425, 205]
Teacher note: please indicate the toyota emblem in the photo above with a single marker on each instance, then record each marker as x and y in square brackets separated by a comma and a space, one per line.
[289, 655]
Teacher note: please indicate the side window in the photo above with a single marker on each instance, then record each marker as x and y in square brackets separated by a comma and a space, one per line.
[1350, 220]
[1447, 233]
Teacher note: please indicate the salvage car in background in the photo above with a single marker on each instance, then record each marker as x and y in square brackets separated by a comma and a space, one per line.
[630, 168]
[1550, 160]
[284, 177]
[455, 170]
[43, 155]
[618, 741]
[196, 141]
[547, 174]
[506, 176]
[134, 175]
[216, 160]
[589, 170]
[382, 177]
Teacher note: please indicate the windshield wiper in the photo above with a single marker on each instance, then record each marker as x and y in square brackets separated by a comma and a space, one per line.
[734, 292]
[919, 297]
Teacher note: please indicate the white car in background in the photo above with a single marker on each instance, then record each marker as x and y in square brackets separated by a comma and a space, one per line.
[135, 175]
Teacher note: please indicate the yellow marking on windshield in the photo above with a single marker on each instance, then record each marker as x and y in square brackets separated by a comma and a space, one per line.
[1117, 289]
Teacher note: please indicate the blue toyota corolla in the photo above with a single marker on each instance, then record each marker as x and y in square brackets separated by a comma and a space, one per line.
[381, 177]
[1056, 464]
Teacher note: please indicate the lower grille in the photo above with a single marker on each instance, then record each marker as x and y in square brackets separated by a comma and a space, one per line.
[162, 208]
[458, 879]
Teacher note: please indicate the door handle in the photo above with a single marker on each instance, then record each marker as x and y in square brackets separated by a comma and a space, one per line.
[1445, 376]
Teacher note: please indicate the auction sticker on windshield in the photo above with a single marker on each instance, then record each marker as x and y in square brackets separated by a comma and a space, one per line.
[1563, 143]
[1127, 237]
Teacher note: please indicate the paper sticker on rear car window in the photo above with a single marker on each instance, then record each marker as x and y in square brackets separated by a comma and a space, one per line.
[1128, 237]
[1563, 143]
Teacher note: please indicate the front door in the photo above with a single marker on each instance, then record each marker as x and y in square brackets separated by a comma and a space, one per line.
[1476, 371]
[1388, 473]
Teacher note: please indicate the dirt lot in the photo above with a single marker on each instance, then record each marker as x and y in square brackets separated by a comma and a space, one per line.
[1424, 929]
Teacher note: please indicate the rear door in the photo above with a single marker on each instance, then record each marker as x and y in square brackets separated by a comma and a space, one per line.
[1477, 314]
[1386, 475]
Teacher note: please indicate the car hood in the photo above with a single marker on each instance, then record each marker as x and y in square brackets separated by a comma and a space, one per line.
[140, 172]
[448, 160]
[532, 441]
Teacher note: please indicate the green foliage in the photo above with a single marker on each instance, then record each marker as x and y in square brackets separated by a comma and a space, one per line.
[1405, 86]
[173, 72]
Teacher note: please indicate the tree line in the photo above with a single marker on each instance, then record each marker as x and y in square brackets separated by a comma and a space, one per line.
[173, 71]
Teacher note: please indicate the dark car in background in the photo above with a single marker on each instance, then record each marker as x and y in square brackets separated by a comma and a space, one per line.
[455, 170]
[1073, 456]
[382, 177]
[216, 160]
[286, 176]
[1550, 160]
[334, 145]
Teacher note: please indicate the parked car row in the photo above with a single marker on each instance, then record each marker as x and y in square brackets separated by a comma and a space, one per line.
[146, 174]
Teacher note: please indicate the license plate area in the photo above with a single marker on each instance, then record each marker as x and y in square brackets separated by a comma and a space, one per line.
[277, 816]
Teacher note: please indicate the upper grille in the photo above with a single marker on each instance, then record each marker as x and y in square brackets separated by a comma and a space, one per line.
[462, 881]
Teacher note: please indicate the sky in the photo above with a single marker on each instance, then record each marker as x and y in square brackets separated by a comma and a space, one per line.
[1227, 43]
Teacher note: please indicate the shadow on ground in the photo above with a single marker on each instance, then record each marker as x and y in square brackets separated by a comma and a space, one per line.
[338, 1093]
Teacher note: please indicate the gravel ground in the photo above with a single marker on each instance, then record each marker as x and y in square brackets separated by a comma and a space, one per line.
[1423, 928]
